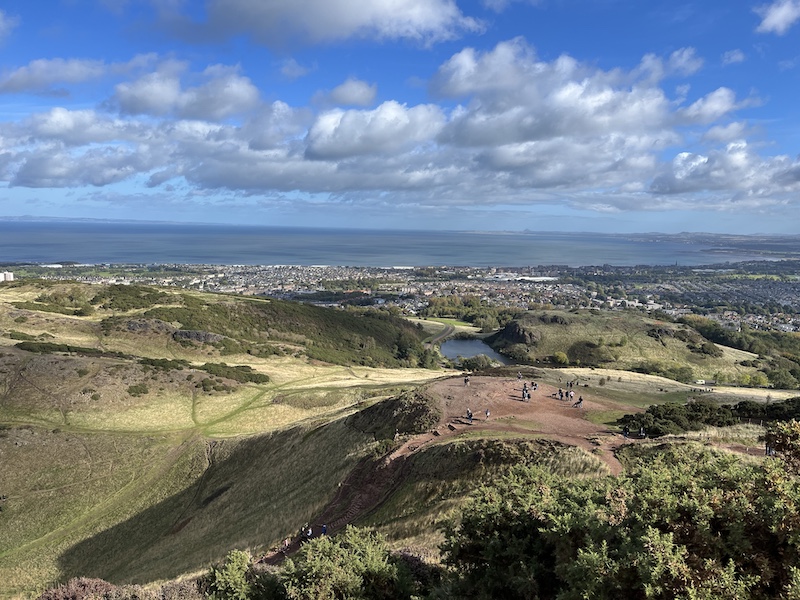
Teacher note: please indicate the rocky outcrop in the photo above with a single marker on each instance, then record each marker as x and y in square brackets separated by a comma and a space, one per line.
[149, 326]
[515, 333]
[202, 337]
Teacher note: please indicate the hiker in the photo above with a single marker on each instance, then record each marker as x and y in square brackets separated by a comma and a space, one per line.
[487, 414]
[466, 380]
[519, 375]
[469, 416]
[626, 431]
[286, 543]
[324, 529]
[579, 403]
[642, 433]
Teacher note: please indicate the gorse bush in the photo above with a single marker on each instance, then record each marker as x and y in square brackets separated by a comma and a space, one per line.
[354, 564]
[682, 522]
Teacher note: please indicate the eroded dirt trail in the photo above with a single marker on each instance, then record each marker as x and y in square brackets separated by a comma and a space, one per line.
[543, 415]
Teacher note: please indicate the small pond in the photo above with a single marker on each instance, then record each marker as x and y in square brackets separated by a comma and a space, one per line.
[452, 349]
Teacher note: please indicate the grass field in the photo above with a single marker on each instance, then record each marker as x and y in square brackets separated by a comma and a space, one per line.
[135, 473]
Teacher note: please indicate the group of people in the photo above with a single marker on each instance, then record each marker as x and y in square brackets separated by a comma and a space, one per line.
[306, 535]
[626, 432]
[470, 416]
[526, 391]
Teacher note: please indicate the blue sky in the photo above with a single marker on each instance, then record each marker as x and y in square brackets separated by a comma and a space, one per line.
[569, 115]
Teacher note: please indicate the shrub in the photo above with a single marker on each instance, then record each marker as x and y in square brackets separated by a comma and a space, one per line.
[232, 579]
[354, 564]
[681, 522]
[138, 389]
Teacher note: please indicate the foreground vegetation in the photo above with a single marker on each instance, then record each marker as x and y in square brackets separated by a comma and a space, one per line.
[683, 521]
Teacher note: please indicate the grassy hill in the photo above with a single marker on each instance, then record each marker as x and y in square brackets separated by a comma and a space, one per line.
[151, 431]
[621, 340]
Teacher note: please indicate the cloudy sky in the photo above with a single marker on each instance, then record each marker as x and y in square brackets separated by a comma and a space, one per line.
[571, 115]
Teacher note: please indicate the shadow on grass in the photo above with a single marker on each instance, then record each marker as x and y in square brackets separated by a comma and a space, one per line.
[253, 492]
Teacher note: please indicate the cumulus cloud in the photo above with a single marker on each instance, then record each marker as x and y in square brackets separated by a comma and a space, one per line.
[353, 92]
[711, 107]
[736, 168]
[320, 21]
[225, 93]
[40, 75]
[779, 16]
[732, 57]
[7, 24]
[513, 129]
[390, 127]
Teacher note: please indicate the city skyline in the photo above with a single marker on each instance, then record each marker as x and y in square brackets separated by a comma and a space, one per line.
[613, 116]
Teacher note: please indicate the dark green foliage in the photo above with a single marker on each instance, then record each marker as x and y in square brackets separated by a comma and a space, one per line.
[44, 307]
[138, 389]
[19, 335]
[240, 373]
[232, 580]
[674, 418]
[129, 297]
[355, 564]
[775, 411]
[681, 522]
[49, 348]
[480, 362]
[409, 413]
[164, 364]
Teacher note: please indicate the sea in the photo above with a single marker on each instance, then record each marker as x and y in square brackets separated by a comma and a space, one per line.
[98, 242]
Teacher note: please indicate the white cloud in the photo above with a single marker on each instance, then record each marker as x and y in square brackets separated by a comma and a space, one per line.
[281, 22]
[7, 24]
[726, 133]
[735, 169]
[291, 69]
[390, 127]
[779, 16]
[354, 92]
[40, 75]
[711, 107]
[224, 94]
[732, 57]
[684, 62]
[524, 131]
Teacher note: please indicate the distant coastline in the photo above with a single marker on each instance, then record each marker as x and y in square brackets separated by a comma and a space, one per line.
[32, 240]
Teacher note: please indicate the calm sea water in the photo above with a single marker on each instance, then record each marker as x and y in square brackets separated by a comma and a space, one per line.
[97, 242]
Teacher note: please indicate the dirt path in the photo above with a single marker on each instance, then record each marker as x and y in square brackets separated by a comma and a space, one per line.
[544, 415]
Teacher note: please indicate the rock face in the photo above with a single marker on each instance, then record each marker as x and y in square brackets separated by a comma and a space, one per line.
[515, 333]
[149, 326]
[203, 337]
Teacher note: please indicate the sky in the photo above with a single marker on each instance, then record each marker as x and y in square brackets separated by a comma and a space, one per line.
[543, 115]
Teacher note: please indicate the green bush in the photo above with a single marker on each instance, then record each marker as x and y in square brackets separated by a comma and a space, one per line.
[354, 564]
[232, 579]
[680, 522]
[138, 389]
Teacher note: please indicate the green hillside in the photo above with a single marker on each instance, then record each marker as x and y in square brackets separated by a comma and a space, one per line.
[622, 340]
[151, 431]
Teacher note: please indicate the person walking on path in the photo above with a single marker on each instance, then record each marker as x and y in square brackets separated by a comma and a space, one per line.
[487, 414]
